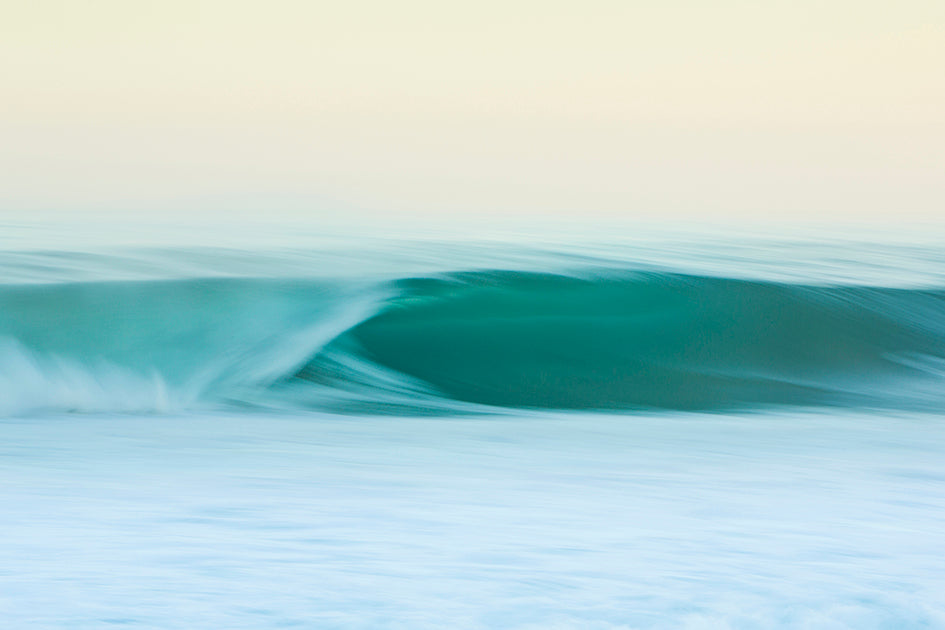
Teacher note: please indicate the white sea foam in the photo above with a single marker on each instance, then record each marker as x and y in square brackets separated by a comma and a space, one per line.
[31, 383]
[812, 520]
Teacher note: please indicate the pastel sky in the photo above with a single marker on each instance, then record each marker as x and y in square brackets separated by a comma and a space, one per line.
[670, 108]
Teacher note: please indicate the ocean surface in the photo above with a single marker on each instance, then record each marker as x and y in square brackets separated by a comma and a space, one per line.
[269, 425]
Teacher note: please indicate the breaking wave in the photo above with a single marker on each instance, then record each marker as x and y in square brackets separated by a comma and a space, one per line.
[607, 340]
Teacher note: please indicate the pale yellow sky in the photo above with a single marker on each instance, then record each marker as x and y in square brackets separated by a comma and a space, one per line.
[660, 108]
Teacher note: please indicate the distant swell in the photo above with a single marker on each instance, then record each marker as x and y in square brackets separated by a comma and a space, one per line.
[609, 340]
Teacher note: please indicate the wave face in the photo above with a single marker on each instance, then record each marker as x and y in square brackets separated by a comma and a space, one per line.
[603, 340]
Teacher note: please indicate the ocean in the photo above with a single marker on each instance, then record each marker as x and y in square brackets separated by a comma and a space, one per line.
[269, 425]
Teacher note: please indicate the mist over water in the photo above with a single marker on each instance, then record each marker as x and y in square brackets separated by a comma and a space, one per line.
[625, 426]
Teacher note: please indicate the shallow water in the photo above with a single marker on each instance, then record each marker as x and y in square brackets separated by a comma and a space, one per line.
[786, 520]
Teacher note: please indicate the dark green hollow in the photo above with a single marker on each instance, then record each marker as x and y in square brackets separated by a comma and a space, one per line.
[648, 340]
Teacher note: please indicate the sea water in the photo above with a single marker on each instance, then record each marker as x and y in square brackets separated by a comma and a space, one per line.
[640, 427]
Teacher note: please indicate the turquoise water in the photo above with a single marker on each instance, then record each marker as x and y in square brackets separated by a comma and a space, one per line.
[633, 427]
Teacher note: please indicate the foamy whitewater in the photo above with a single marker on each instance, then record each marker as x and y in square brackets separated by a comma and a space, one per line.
[266, 427]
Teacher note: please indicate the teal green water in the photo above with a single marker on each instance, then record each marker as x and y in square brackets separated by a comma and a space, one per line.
[599, 338]
[620, 340]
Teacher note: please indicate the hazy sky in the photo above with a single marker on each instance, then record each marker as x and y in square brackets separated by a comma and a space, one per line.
[674, 108]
